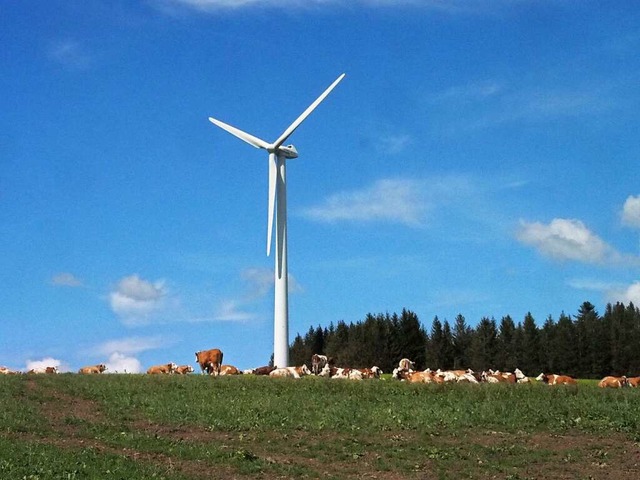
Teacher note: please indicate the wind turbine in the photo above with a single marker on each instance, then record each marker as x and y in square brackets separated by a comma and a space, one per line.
[278, 155]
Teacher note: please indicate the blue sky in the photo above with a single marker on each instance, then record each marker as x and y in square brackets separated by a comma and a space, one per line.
[478, 158]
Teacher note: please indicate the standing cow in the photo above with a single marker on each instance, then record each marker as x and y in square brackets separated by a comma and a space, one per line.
[317, 363]
[209, 361]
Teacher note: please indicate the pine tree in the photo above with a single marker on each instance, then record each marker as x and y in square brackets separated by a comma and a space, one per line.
[484, 345]
[507, 355]
[530, 345]
[462, 335]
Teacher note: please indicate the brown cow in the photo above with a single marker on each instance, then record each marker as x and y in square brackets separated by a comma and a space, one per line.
[183, 369]
[633, 382]
[162, 369]
[49, 370]
[553, 379]
[209, 361]
[93, 369]
[613, 382]
[229, 370]
[266, 370]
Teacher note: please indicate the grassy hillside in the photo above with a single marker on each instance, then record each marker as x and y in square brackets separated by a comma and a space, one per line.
[190, 427]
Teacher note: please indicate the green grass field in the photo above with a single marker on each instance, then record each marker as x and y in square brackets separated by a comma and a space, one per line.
[191, 427]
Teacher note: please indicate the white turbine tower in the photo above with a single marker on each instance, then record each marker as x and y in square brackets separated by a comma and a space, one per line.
[278, 155]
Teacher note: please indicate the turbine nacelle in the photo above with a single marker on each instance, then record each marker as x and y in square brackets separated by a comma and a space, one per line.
[287, 151]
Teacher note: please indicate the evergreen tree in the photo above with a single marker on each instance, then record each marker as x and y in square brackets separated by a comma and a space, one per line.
[563, 348]
[448, 352]
[507, 355]
[462, 335]
[435, 350]
[593, 345]
[484, 345]
[530, 359]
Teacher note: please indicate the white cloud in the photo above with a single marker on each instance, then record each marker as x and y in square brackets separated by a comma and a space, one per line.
[396, 201]
[121, 352]
[65, 279]
[120, 363]
[130, 345]
[626, 295]
[134, 299]
[566, 239]
[47, 362]
[631, 212]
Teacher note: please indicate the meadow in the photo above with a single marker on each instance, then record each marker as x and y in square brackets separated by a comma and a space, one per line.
[70, 426]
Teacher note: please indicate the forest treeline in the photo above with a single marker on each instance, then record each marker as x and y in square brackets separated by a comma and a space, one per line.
[585, 345]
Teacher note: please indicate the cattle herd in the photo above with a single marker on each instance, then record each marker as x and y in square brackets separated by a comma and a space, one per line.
[210, 362]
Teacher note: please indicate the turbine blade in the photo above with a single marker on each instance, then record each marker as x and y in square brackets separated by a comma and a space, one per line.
[250, 139]
[306, 113]
[272, 199]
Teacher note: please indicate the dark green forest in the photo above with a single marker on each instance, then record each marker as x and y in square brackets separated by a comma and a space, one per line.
[585, 345]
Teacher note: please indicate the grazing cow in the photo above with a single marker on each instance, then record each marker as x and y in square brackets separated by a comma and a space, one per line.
[553, 379]
[229, 370]
[162, 369]
[291, 372]
[183, 369]
[613, 382]
[93, 369]
[266, 370]
[406, 364]
[209, 361]
[633, 382]
[318, 362]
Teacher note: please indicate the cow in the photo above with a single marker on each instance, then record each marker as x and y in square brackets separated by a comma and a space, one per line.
[553, 379]
[521, 377]
[8, 371]
[613, 382]
[183, 369]
[209, 361]
[411, 376]
[318, 362]
[100, 368]
[162, 369]
[229, 370]
[47, 370]
[406, 364]
[373, 372]
[266, 370]
[633, 382]
[291, 372]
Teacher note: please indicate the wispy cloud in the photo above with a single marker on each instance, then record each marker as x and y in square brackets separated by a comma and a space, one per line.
[631, 212]
[394, 201]
[566, 239]
[401, 201]
[491, 103]
[70, 54]
[130, 345]
[444, 6]
[66, 279]
[135, 299]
